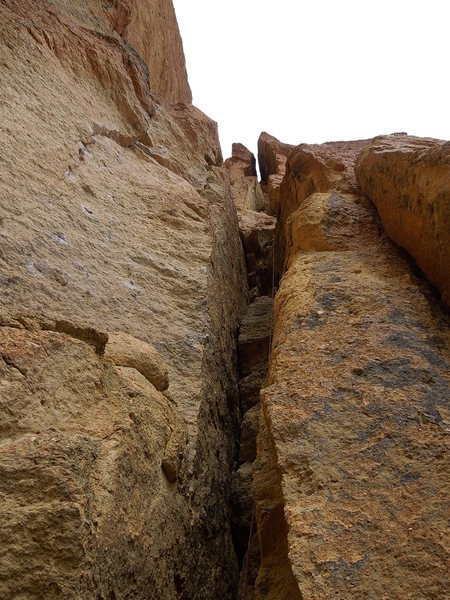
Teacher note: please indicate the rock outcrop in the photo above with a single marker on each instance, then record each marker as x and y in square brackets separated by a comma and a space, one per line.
[272, 158]
[122, 272]
[350, 477]
[245, 188]
[171, 428]
[408, 180]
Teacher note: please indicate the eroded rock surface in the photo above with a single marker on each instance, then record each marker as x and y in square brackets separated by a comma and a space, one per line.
[245, 188]
[272, 158]
[408, 180]
[352, 469]
[115, 216]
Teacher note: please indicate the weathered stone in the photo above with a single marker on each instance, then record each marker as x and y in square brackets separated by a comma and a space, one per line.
[242, 505]
[272, 156]
[257, 233]
[355, 409]
[408, 179]
[124, 350]
[80, 449]
[249, 431]
[250, 386]
[275, 580]
[245, 187]
[254, 336]
[115, 215]
[250, 572]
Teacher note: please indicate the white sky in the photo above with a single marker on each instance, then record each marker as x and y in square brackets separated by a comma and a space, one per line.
[318, 70]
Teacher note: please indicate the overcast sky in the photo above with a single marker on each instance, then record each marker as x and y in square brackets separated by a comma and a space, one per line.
[318, 70]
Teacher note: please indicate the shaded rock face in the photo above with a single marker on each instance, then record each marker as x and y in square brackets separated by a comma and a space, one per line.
[350, 477]
[123, 283]
[272, 156]
[256, 227]
[408, 180]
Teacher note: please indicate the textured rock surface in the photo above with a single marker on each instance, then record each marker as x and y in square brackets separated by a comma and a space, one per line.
[408, 179]
[257, 233]
[309, 169]
[115, 216]
[124, 350]
[80, 449]
[351, 477]
[241, 166]
[149, 30]
[272, 156]
[254, 336]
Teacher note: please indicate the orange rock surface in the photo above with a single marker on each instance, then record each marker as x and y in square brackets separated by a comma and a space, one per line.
[351, 478]
[408, 180]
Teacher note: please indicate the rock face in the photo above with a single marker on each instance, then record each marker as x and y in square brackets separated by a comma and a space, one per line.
[122, 271]
[246, 191]
[147, 28]
[408, 180]
[272, 158]
[350, 478]
[309, 169]
[134, 343]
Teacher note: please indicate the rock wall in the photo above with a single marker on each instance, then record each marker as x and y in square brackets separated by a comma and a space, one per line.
[350, 477]
[136, 327]
[408, 180]
[148, 28]
[123, 284]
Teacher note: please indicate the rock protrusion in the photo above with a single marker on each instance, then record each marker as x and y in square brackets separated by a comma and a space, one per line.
[124, 350]
[245, 188]
[272, 156]
[408, 180]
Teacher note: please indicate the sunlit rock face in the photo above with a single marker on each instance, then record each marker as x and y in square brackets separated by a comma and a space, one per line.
[408, 179]
[123, 284]
[350, 477]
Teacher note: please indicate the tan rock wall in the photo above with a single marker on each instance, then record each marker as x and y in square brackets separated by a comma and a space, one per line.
[115, 217]
[408, 179]
[150, 29]
[350, 478]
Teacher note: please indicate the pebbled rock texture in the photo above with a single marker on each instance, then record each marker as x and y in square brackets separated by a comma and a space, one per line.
[115, 216]
[351, 476]
[408, 180]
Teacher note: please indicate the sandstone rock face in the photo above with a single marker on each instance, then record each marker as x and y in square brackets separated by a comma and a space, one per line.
[246, 191]
[257, 234]
[254, 336]
[272, 157]
[115, 217]
[152, 29]
[309, 169]
[408, 179]
[147, 28]
[351, 472]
